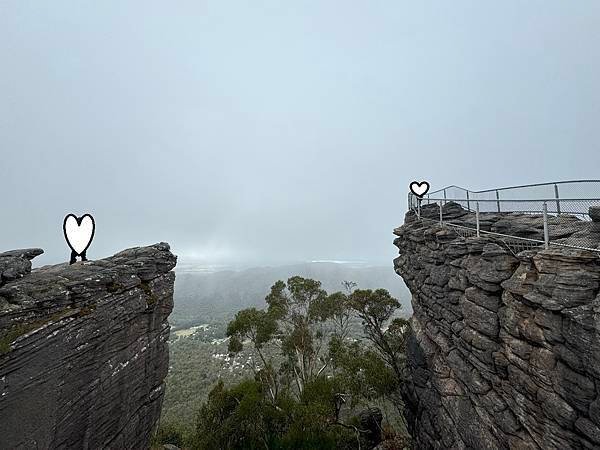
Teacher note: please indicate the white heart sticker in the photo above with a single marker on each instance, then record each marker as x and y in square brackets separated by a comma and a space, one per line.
[79, 232]
[419, 189]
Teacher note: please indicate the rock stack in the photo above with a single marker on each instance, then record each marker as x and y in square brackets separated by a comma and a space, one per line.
[505, 351]
[83, 349]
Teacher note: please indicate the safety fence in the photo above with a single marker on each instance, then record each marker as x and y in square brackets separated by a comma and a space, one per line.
[565, 213]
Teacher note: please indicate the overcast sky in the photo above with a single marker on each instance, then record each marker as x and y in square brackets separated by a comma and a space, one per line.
[275, 131]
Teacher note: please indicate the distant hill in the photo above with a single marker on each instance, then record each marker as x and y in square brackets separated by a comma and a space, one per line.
[205, 296]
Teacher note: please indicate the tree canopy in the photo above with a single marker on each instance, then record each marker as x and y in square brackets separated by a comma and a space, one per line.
[316, 384]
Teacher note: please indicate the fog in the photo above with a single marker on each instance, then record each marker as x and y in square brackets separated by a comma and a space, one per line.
[269, 132]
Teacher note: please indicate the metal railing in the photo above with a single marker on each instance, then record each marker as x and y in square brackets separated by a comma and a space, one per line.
[564, 213]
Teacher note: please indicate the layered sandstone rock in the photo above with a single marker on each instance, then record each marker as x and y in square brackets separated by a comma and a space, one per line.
[506, 347]
[83, 349]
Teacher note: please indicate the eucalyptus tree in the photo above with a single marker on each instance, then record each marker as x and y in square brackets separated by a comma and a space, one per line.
[309, 367]
[307, 328]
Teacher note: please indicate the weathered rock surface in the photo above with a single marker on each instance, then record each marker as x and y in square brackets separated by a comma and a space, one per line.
[506, 348]
[83, 349]
[16, 263]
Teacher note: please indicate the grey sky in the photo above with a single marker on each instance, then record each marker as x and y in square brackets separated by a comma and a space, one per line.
[281, 131]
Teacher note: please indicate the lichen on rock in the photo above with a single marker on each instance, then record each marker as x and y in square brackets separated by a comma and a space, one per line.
[83, 349]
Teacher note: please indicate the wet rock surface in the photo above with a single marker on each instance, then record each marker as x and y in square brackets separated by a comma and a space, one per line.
[83, 349]
[506, 347]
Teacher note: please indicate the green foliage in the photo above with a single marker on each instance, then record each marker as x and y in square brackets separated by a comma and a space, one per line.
[170, 433]
[235, 344]
[375, 308]
[277, 301]
[297, 375]
[252, 324]
[309, 377]
[301, 298]
[238, 418]
[362, 371]
[241, 417]
[197, 362]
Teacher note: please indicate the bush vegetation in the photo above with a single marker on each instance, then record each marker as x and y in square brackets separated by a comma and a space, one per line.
[314, 383]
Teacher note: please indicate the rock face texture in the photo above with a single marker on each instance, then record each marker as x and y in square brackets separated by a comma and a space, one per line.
[506, 348]
[83, 349]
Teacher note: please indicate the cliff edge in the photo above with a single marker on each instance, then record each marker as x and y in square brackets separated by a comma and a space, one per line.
[83, 349]
[506, 348]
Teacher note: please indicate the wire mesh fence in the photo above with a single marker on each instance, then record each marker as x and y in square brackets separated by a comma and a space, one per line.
[522, 217]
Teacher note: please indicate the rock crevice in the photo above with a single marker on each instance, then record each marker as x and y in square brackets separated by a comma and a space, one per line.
[505, 351]
[83, 349]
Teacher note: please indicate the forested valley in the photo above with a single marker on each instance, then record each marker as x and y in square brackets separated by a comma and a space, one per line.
[303, 368]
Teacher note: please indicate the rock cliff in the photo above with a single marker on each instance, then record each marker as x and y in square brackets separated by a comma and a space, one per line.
[506, 348]
[83, 349]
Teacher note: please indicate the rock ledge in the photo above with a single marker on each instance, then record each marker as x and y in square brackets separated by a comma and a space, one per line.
[506, 348]
[83, 349]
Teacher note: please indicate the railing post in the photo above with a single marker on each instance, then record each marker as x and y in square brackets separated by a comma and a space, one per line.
[468, 204]
[546, 233]
[444, 196]
[477, 217]
[441, 217]
[557, 198]
[428, 199]
[498, 199]
[419, 208]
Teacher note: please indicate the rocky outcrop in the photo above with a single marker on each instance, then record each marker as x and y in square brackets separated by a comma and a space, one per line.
[506, 347]
[83, 349]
